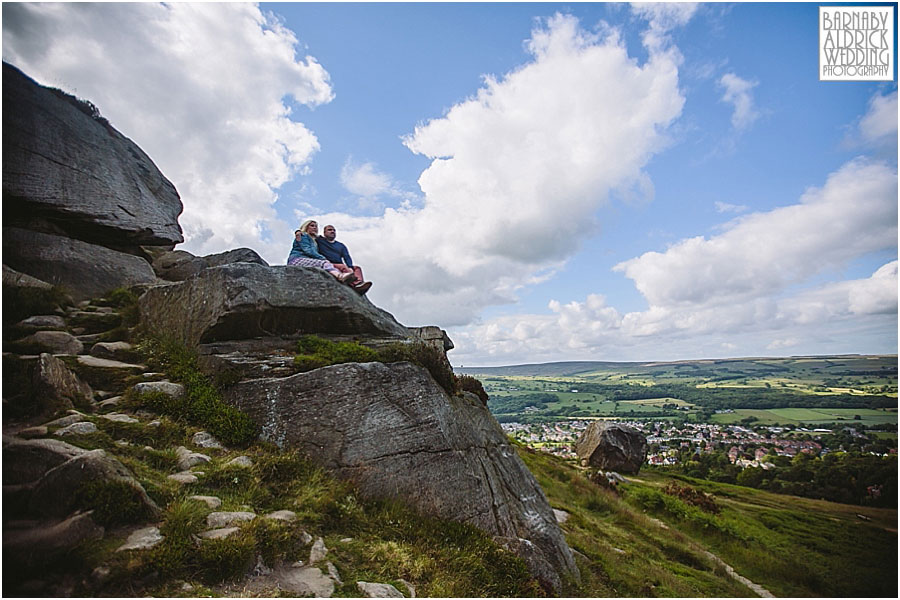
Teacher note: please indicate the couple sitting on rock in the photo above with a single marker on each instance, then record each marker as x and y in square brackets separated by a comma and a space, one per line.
[311, 250]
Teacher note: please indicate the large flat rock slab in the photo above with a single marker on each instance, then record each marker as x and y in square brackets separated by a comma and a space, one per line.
[245, 300]
[395, 433]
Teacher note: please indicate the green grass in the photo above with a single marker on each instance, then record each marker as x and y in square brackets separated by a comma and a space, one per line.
[315, 352]
[812, 382]
[388, 541]
[625, 553]
[202, 402]
[791, 546]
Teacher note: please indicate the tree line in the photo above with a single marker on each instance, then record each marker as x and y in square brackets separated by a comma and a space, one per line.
[849, 477]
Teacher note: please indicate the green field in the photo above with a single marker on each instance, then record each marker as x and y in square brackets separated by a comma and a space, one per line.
[796, 416]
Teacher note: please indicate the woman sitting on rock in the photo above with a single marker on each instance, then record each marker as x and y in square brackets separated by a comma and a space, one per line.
[305, 253]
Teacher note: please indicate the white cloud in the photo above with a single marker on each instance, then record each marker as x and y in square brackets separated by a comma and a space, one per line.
[879, 125]
[854, 213]
[751, 281]
[783, 343]
[725, 207]
[663, 17]
[738, 93]
[371, 186]
[517, 173]
[200, 88]
[874, 295]
[364, 179]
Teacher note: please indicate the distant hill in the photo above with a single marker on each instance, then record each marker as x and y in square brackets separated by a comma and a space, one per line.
[549, 369]
[856, 363]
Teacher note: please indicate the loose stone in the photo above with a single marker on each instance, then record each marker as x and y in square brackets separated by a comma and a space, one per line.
[241, 461]
[218, 534]
[83, 428]
[378, 590]
[318, 551]
[210, 501]
[142, 539]
[204, 439]
[224, 519]
[185, 477]
[282, 515]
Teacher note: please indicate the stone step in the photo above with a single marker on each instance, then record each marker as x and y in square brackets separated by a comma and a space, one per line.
[93, 322]
[105, 374]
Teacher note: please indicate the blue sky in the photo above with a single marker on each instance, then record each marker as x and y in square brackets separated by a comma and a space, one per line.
[546, 181]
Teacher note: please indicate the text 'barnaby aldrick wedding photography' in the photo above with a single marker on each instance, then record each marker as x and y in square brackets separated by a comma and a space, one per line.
[856, 43]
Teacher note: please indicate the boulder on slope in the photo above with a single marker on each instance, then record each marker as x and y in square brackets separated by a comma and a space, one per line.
[612, 447]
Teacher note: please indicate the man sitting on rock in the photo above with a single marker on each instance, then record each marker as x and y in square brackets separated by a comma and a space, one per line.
[337, 253]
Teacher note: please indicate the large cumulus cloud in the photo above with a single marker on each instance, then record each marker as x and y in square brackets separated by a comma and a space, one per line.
[518, 172]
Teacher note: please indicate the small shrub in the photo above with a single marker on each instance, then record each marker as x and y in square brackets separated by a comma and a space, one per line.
[121, 297]
[467, 383]
[226, 559]
[306, 363]
[276, 541]
[281, 472]
[648, 499]
[113, 502]
[166, 434]
[693, 496]
[315, 352]
[175, 555]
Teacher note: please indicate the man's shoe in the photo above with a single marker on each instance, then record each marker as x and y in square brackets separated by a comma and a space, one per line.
[362, 289]
[348, 278]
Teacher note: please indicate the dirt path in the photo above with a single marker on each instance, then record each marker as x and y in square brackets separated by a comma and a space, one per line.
[758, 589]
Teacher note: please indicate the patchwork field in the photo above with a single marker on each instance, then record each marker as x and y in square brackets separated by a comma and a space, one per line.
[790, 391]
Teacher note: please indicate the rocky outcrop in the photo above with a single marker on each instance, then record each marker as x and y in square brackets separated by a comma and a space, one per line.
[245, 300]
[395, 433]
[612, 447]
[433, 335]
[67, 170]
[178, 265]
[84, 208]
[29, 543]
[80, 200]
[14, 279]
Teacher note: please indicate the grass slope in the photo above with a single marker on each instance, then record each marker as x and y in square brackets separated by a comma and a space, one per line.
[644, 542]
